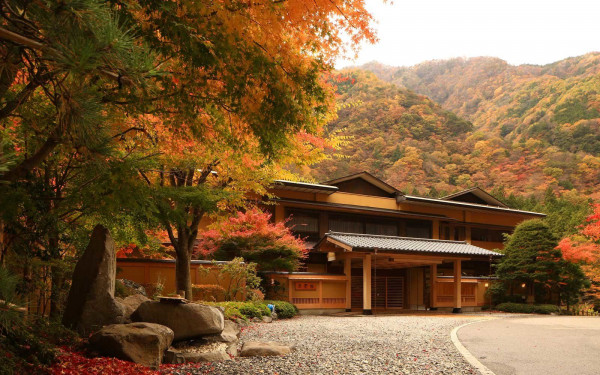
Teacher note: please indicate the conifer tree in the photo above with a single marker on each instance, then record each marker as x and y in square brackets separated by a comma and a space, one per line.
[531, 257]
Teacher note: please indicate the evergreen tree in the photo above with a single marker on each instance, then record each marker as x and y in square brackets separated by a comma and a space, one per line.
[531, 258]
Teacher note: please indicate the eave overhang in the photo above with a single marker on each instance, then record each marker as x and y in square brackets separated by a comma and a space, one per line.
[304, 187]
[353, 242]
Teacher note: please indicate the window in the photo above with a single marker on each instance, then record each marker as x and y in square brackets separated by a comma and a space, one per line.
[487, 235]
[460, 233]
[345, 224]
[352, 224]
[418, 228]
[382, 228]
[451, 232]
[304, 225]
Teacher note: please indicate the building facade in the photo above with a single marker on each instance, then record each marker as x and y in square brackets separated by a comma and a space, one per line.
[373, 248]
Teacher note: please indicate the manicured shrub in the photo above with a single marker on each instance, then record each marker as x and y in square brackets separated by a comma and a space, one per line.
[254, 310]
[546, 309]
[527, 309]
[242, 310]
[284, 310]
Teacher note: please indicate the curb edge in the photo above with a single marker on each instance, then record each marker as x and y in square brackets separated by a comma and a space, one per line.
[466, 353]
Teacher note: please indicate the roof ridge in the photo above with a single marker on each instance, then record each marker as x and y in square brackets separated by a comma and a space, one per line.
[488, 206]
[398, 237]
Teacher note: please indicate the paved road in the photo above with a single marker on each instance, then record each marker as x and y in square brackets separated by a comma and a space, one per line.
[536, 345]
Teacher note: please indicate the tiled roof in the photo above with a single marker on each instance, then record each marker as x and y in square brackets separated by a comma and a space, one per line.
[408, 244]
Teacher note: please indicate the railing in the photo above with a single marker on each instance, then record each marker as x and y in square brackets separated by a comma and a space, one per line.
[305, 301]
[315, 303]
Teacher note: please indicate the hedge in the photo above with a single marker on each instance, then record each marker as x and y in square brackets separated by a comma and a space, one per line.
[284, 310]
[527, 309]
[249, 310]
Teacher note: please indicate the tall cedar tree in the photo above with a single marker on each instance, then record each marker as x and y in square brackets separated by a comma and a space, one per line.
[531, 257]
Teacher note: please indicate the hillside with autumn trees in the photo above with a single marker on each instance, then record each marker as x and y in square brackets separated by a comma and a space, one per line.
[534, 127]
[522, 130]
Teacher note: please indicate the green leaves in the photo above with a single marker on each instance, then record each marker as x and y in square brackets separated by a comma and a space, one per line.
[532, 257]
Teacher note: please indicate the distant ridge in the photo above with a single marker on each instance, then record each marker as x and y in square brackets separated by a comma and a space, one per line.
[524, 128]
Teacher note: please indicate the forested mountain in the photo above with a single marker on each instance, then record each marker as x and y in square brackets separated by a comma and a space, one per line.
[523, 129]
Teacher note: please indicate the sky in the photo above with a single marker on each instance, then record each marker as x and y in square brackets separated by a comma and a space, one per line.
[518, 31]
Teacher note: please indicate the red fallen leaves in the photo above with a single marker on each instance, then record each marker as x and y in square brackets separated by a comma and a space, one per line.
[71, 363]
[76, 363]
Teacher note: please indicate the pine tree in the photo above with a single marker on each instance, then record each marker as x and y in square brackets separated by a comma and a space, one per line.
[531, 258]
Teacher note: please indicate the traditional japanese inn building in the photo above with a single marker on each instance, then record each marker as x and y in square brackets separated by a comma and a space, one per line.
[373, 248]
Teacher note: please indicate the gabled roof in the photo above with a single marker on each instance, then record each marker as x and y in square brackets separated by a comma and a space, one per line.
[304, 187]
[487, 198]
[368, 177]
[436, 201]
[404, 244]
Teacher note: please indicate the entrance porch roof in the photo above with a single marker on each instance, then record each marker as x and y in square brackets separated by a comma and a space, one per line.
[371, 242]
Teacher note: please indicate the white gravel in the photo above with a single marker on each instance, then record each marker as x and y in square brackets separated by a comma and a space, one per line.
[352, 345]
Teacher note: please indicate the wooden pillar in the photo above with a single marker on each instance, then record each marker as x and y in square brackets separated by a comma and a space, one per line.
[433, 286]
[367, 285]
[321, 293]
[435, 234]
[323, 223]
[279, 213]
[348, 273]
[457, 286]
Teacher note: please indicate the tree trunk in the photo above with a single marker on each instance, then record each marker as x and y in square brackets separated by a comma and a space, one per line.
[56, 281]
[3, 249]
[183, 277]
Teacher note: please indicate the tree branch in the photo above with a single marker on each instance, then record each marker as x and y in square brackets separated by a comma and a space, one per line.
[33, 44]
[28, 164]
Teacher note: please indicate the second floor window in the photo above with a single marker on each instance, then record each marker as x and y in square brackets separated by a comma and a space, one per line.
[304, 225]
[418, 228]
[346, 225]
[487, 235]
[386, 229]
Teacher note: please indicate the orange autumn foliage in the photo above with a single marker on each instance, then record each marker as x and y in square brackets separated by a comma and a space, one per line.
[584, 248]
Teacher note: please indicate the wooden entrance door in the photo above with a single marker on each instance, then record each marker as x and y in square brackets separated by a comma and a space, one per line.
[387, 292]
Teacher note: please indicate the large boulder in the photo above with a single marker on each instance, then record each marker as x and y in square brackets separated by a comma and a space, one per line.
[91, 302]
[143, 343]
[264, 349]
[188, 321]
[130, 304]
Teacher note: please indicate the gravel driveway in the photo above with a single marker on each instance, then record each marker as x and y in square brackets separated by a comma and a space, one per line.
[353, 345]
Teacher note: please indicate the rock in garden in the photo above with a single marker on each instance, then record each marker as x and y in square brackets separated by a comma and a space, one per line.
[134, 287]
[130, 304]
[143, 343]
[267, 319]
[264, 349]
[91, 302]
[208, 352]
[231, 333]
[230, 336]
[188, 320]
